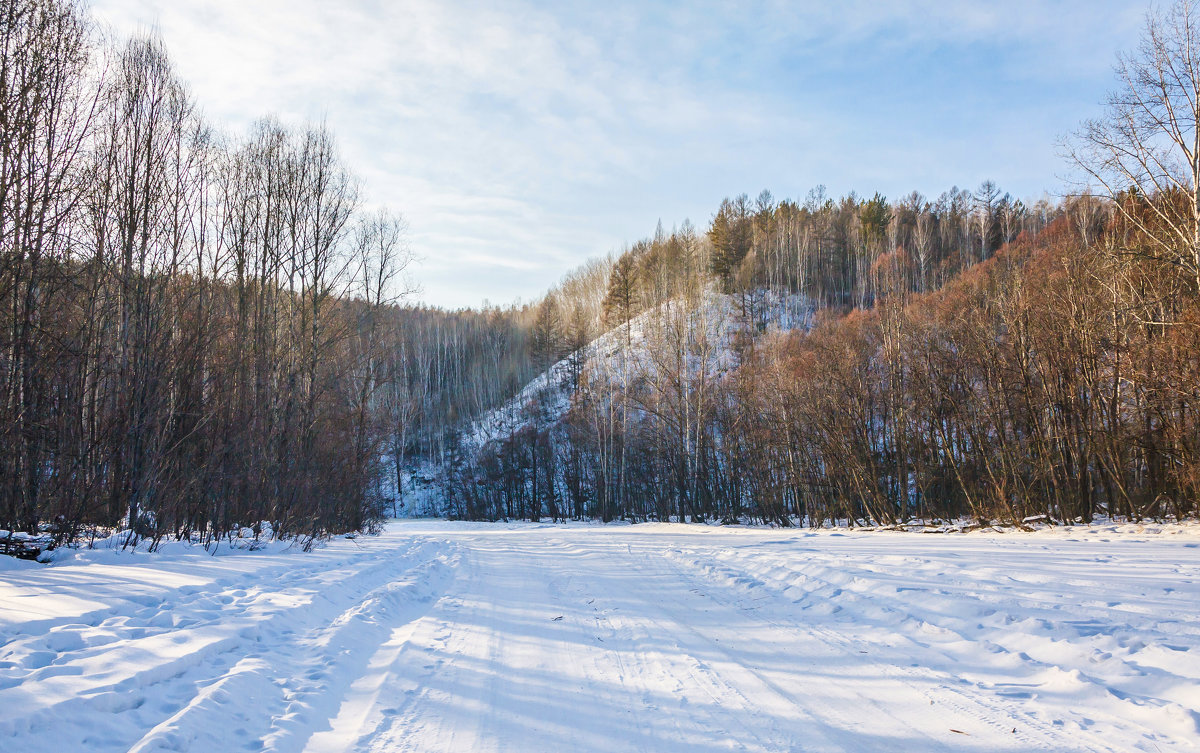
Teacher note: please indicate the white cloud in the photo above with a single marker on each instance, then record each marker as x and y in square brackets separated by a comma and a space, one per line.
[523, 137]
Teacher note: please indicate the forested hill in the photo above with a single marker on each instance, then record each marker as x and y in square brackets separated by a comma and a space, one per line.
[665, 415]
[970, 357]
[757, 264]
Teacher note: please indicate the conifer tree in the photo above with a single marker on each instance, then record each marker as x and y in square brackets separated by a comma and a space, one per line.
[731, 235]
[620, 304]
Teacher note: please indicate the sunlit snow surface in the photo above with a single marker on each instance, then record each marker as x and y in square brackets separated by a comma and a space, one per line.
[454, 637]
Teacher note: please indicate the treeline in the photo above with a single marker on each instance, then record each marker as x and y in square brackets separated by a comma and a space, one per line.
[194, 326]
[825, 249]
[645, 433]
[1056, 377]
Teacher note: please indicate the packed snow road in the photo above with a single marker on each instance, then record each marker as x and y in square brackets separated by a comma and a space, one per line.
[456, 637]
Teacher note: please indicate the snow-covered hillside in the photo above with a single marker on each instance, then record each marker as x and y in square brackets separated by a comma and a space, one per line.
[706, 331]
[442, 636]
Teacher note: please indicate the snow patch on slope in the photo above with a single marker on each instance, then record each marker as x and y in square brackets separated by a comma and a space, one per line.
[629, 351]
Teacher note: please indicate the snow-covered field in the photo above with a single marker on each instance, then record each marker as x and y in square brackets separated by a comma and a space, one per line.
[454, 637]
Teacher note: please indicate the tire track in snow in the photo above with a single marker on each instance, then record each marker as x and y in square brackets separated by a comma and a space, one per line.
[821, 726]
[605, 657]
[385, 621]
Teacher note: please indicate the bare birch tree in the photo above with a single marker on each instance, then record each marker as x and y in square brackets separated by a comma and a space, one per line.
[1146, 146]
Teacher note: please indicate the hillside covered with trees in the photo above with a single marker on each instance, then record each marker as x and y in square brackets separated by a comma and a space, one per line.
[940, 376]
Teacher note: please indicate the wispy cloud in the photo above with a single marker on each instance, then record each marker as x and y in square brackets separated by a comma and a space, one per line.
[518, 138]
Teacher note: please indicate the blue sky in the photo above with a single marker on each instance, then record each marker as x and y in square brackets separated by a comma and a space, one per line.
[520, 138]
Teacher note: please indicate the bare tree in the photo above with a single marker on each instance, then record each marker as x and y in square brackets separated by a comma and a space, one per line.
[47, 112]
[1145, 149]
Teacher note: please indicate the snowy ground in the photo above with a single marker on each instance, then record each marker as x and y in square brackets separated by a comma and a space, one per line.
[453, 637]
